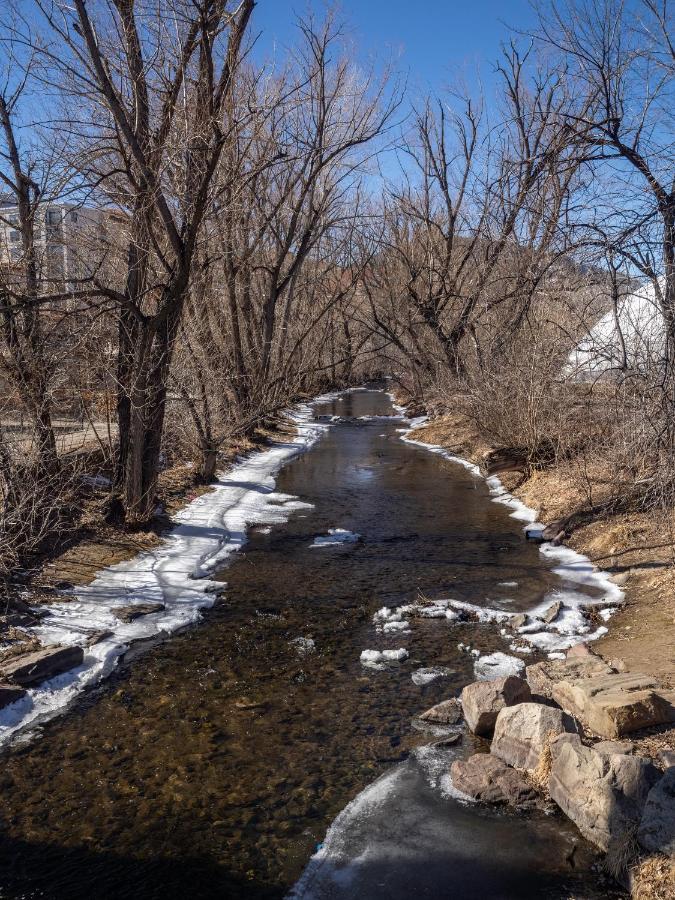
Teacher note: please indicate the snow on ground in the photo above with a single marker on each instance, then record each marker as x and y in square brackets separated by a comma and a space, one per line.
[334, 537]
[574, 569]
[206, 533]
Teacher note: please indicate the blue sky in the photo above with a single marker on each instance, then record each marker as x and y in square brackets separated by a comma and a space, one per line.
[434, 41]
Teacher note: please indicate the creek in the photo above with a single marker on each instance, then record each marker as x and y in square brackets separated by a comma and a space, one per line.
[212, 764]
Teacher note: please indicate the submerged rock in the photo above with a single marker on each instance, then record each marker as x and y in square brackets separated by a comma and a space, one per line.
[657, 828]
[482, 701]
[484, 777]
[603, 794]
[524, 732]
[449, 712]
[33, 668]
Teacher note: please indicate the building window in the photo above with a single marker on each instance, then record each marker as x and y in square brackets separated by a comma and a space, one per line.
[73, 216]
[14, 236]
[53, 217]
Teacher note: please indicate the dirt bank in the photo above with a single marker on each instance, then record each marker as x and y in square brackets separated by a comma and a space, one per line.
[637, 547]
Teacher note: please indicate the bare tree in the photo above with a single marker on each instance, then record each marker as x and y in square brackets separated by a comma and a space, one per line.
[152, 82]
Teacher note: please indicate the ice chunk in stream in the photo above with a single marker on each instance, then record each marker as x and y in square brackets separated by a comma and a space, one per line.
[426, 676]
[335, 537]
[497, 665]
[376, 657]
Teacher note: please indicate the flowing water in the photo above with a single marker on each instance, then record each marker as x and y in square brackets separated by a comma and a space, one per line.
[212, 764]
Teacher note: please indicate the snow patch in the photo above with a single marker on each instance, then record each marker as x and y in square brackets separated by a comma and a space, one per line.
[497, 665]
[207, 532]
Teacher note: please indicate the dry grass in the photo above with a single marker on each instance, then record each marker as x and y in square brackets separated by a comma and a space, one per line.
[653, 878]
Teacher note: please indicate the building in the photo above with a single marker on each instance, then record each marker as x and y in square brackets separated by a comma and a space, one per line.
[71, 241]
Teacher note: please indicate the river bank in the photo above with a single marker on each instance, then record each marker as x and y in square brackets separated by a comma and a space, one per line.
[636, 550]
[111, 590]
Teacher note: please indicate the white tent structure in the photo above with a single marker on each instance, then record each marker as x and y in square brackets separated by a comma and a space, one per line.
[632, 337]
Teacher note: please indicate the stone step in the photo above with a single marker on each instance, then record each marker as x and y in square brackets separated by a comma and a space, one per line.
[613, 705]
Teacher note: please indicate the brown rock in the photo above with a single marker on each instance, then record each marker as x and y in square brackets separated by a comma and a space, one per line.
[609, 747]
[523, 732]
[483, 777]
[97, 636]
[519, 620]
[9, 693]
[449, 712]
[542, 676]
[615, 704]
[32, 668]
[579, 650]
[136, 610]
[482, 701]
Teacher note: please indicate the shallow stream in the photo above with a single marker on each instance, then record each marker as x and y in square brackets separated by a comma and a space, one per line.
[212, 764]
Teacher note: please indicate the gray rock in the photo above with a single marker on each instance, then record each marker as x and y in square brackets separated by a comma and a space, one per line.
[608, 747]
[449, 712]
[136, 610]
[32, 668]
[518, 621]
[448, 741]
[666, 758]
[543, 676]
[9, 693]
[657, 828]
[482, 701]
[552, 613]
[97, 636]
[483, 777]
[523, 732]
[615, 704]
[603, 794]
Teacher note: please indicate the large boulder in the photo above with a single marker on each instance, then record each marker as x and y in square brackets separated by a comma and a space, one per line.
[657, 828]
[523, 733]
[615, 704]
[482, 701]
[603, 794]
[448, 712]
[484, 777]
[10, 693]
[543, 676]
[32, 668]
